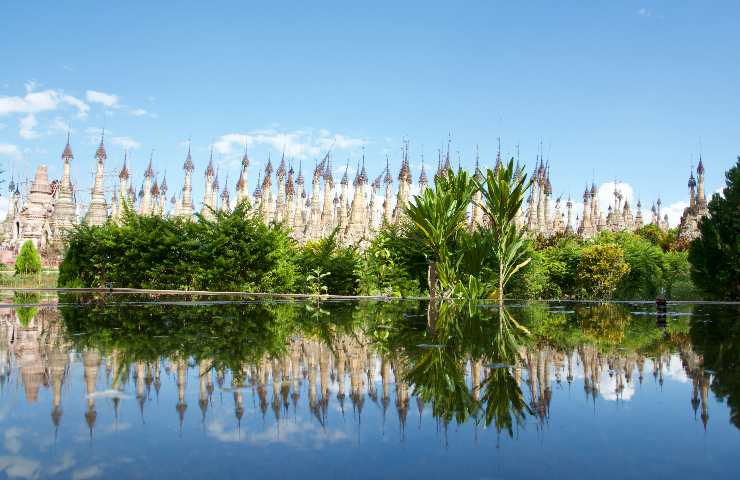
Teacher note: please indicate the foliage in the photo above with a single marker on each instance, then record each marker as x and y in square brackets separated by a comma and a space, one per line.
[394, 264]
[28, 311]
[28, 260]
[715, 256]
[235, 251]
[436, 218]
[503, 193]
[339, 265]
[600, 270]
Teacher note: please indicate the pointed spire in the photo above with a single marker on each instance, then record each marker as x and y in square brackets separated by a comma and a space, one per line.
[478, 173]
[258, 188]
[209, 168]
[299, 181]
[100, 153]
[345, 177]
[700, 167]
[188, 165]
[67, 153]
[363, 172]
[163, 186]
[124, 170]
[281, 168]
[149, 172]
[155, 188]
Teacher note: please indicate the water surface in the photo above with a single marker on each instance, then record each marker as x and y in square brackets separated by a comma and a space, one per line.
[113, 386]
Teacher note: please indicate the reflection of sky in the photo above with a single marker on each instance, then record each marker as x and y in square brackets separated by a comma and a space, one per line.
[650, 432]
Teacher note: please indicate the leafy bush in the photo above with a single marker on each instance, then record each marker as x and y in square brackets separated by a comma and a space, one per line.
[601, 269]
[338, 266]
[235, 251]
[28, 260]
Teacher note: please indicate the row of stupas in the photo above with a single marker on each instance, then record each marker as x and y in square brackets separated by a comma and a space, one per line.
[35, 354]
[355, 211]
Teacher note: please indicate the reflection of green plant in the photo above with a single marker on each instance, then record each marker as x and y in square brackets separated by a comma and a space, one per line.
[26, 314]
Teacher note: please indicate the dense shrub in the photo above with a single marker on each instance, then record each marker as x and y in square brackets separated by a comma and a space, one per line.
[600, 270]
[341, 264]
[236, 251]
[28, 260]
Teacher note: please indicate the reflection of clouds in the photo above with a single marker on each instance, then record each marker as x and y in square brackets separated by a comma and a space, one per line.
[16, 466]
[67, 461]
[608, 388]
[87, 473]
[12, 441]
[109, 394]
[295, 434]
[675, 371]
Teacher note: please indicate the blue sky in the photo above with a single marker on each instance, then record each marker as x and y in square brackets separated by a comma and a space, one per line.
[625, 90]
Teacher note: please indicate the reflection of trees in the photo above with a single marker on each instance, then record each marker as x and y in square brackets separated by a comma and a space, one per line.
[476, 365]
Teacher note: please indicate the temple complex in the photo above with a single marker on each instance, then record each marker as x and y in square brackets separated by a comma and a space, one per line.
[697, 209]
[43, 210]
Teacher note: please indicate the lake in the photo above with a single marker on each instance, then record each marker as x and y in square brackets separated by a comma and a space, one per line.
[100, 385]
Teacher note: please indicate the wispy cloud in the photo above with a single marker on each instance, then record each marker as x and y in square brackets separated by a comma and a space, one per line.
[644, 12]
[27, 126]
[40, 101]
[126, 142]
[138, 112]
[298, 144]
[10, 150]
[106, 99]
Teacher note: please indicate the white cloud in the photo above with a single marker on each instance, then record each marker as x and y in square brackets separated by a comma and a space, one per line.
[674, 212]
[43, 101]
[10, 150]
[298, 144]
[27, 125]
[138, 112]
[644, 12]
[106, 99]
[125, 142]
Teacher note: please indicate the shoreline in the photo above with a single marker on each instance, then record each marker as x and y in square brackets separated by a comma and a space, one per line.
[304, 296]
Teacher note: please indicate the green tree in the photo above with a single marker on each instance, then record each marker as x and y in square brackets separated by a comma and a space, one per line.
[715, 256]
[437, 217]
[28, 260]
[503, 193]
[601, 269]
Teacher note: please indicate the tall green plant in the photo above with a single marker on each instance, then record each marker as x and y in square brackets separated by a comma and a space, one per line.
[437, 217]
[503, 191]
[28, 260]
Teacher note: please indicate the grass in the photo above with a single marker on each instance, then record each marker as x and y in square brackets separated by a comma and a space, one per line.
[45, 279]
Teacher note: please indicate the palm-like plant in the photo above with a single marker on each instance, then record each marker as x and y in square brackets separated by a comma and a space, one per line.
[437, 216]
[503, 193]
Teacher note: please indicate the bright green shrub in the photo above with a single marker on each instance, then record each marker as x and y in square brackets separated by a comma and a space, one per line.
[28, 260]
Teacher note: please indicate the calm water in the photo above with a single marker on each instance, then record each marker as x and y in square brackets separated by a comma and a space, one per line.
[121, 387]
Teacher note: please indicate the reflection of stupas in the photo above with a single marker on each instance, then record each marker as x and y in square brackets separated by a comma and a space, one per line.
[348, 370]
